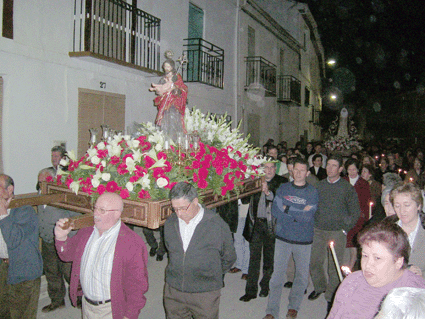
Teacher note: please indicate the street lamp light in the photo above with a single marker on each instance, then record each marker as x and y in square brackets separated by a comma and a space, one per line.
[331, 62]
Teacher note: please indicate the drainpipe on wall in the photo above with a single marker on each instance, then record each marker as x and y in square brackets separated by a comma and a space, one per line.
[236, 67]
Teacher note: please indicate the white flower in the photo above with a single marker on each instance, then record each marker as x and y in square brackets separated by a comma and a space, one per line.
[106, 177]
[95, 182]
[64, 162]
[145, 182]
[95, 160]
[131, 165]
[129, 186]
[161, 182]
[133, 143]
[103, 163]
[71, 155]
[114, 150]
[92, 152]
[158, 147]
[74, 186]
[137, 155]
[101, 145]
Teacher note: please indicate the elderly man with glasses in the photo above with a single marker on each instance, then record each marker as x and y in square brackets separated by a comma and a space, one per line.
[200, 252]
[109, 261]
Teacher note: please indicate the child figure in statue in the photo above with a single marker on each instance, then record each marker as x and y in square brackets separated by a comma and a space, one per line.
[171, 100]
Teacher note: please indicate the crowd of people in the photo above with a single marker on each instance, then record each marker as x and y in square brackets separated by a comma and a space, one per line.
[368, 205]
[372, 186]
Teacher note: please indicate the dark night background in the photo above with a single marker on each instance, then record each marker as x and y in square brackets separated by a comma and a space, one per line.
[379, 47]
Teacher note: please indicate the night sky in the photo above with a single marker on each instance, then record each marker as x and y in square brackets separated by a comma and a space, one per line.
[379, 47]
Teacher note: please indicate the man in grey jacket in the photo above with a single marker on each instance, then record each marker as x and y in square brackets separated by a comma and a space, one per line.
[200, 252]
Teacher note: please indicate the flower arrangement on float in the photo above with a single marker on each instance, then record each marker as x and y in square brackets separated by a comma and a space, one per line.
[340, 144]
[147, 166]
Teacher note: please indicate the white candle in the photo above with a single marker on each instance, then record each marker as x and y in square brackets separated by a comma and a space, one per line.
[370, 209]
[166, 144]
[338, 269]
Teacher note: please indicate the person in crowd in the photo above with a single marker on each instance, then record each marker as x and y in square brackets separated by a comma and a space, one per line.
[308, 150]
[281, 167]
[374, 186]
[383, 169]
[407, 202]
[317, 169]
[260, 233]
[56, 271]
[109, 262]
[368, 160]
[392, 166]
[385, 259]
[21, 265]
[416, 174]
[363, 193]
[293, 207]
[156, 249]
[403, 303]
[318, 150]
[58, 153]
[311, 178]
[337, 213]
[200, 252]
[241, 244]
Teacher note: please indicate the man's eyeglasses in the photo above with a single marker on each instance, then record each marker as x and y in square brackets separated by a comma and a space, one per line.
[102, 210]
[180, 209]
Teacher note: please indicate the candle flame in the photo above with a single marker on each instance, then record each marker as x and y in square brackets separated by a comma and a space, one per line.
[371, 203]
[331, 244]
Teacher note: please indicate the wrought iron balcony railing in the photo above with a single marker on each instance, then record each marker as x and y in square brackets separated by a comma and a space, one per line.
[289, 89]
[118, 31]
[205, 62]
[259, 71]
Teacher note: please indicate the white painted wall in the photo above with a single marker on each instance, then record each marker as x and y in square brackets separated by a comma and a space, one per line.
[41, 81]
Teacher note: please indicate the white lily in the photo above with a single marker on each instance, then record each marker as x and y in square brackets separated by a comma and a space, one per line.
[129, 186]
[75, 186]
[161, 182]
[71, 155]
[106, 177]
[64, 162]
[101, 145]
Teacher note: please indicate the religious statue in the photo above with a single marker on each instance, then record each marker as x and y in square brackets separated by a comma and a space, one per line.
[343, 123]
[171, 99]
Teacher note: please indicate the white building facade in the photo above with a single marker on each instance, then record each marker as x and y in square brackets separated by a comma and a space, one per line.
[66, 66]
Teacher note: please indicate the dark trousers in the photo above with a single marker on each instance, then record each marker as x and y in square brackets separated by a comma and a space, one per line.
[325, 277]
[18, 301]
[186, 305]
[262, 242]
[56, 272]
[150, 238]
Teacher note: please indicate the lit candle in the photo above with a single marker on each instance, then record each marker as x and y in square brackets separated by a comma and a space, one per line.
[346, 270]
[411, 179]
[370, 209]
[338, 269]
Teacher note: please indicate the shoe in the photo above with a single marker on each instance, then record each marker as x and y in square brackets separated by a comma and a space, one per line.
[292, 314]
[244, 277]
[234, 270]
[305, 292]
[314, 295]
[79, 302]
[159, 257]
[288, 284]
[152, 252]
[264, 293]
[247, 297]
[269, 316]
[53, 307]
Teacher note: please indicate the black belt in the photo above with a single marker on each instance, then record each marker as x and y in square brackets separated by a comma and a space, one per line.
[96, 303]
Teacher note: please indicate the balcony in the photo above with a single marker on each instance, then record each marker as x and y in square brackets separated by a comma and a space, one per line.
[117, 32]
[260, 72]
[289, 90]
[205, 62]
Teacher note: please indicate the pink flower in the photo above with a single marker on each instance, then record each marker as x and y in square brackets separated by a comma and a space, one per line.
[101, 189]
[202, 184]
[124, 193]
[114, 160]
[102, 153]
[112, 186]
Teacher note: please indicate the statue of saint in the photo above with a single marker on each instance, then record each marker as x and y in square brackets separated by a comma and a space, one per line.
[171, 99]
[343, 124]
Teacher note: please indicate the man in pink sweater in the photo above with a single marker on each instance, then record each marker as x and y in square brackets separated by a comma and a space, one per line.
[109, 263]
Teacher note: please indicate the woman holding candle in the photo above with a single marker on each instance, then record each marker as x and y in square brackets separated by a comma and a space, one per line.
[363, 193]
[415, 175]
[374, 186]
[384, 261]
